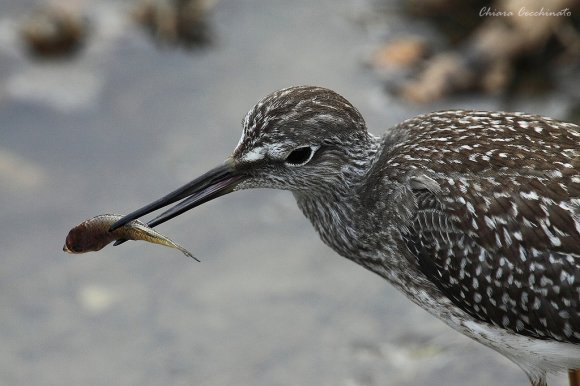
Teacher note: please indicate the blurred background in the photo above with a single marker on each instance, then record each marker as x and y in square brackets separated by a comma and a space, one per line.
[107, 105]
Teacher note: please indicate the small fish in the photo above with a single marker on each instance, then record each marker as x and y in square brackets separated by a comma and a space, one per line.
[93, 235]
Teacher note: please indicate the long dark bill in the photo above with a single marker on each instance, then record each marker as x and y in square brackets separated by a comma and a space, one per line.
[215, 183]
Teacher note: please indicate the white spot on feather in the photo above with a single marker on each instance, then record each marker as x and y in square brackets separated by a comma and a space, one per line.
[529, 196]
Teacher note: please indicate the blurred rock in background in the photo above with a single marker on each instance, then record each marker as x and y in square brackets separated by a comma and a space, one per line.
[54, 32]
[507, 47]
[176, 22]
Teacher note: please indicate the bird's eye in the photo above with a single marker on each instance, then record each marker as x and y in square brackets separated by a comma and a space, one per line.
[299, 156]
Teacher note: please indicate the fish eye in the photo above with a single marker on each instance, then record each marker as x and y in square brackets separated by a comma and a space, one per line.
[299, 156]
[74, 247]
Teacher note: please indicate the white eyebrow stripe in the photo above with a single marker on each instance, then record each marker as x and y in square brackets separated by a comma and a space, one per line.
[277, 151]
[254, 154]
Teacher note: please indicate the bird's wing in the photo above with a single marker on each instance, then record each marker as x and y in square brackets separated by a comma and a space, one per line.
[504, 248]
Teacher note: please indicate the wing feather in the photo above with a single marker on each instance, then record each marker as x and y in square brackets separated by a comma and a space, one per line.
[510, 259]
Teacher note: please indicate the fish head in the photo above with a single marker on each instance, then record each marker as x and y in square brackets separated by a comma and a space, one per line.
[86, 237]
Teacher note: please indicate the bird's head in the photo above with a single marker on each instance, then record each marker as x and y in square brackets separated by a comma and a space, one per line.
[304, 139]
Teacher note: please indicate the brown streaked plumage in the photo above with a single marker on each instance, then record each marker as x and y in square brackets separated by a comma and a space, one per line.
[475, 216]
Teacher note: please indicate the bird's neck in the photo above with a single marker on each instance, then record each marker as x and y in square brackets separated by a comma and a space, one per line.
[334, 211]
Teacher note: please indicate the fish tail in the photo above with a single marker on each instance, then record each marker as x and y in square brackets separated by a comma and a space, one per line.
[157, 238]
[187, 253]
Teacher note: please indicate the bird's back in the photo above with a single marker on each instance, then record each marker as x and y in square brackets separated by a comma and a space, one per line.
[495, 219]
